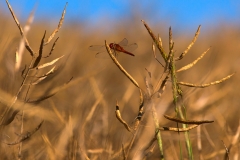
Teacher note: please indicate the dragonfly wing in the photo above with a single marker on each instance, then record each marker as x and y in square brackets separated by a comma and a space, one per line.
[105, 55]
[124, 42]
[99, 48]
[131, 47]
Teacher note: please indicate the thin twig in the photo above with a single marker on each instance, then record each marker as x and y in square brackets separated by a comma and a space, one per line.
[26, 136]
[124, 153]
[227, 151]
[21, 30]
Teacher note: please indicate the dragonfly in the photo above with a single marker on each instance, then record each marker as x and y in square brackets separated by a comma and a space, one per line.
[121, 47]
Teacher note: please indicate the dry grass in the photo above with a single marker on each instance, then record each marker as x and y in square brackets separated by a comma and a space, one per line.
[80, 121]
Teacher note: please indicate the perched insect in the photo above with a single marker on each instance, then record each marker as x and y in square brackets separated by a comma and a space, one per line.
[121, 47]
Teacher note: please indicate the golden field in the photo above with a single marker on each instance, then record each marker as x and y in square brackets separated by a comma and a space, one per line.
[79, 120]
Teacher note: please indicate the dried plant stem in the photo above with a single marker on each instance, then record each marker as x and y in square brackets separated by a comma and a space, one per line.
[161, 88]
[137, 122]
[120, 66]
[4, 119]
[156, 41]
[176, 92]
[26, 136]
[156, 122]
[21, 30]
[187, 139]
[21, 132]
[227, 151]
[124, 153]
[136, 125]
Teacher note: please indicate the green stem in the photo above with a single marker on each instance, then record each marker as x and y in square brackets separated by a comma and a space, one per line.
[187, 139]
[176, 91]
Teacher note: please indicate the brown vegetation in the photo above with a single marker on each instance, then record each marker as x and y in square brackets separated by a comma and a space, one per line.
[79, 117]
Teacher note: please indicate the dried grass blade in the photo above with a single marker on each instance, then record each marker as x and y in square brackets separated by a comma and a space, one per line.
[149, 73]
[26, 28]
[123, 152]
[58, 27]
[120, 66]
[193, 63]
[207, 84]
[154, 54]
[17, 58]
[50, 148]
[191, 44]
[154, 51]
[49, 72]
[157, 42]
[38, 59]
[26, 136]
[41, 78]
[8, 120]
[235, 137]
[23, 71]
[42, 98]
[119, 117]
[163, 85]
[227, 151]
[53, 47]
[152, 141]
[49, 63]
[177, 129]
[21, 30]
[149, 86]
[38, 80]
[187, 121]
[55, 91]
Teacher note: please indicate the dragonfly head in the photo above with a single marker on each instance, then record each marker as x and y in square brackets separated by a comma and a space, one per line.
[111, 45]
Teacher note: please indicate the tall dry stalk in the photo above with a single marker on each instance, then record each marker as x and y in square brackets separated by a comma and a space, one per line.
[31, 79]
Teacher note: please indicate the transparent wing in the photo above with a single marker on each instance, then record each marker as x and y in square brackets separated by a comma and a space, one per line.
[130, 47]
[104, 55]
[99, 48]
[124, 42]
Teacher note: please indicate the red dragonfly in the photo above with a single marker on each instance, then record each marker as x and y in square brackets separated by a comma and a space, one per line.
[122, 47]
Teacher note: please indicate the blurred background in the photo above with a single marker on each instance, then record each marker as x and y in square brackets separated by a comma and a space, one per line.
[80, 120]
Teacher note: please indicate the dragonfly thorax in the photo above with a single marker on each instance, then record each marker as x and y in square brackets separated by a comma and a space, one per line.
[112, 45]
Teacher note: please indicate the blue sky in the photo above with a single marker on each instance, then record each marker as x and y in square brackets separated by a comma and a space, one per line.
[188, 13]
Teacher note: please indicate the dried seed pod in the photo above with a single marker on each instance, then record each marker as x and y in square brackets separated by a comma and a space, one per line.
[207, 84]
[187, 121]
[178, 129]
[119, 117]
